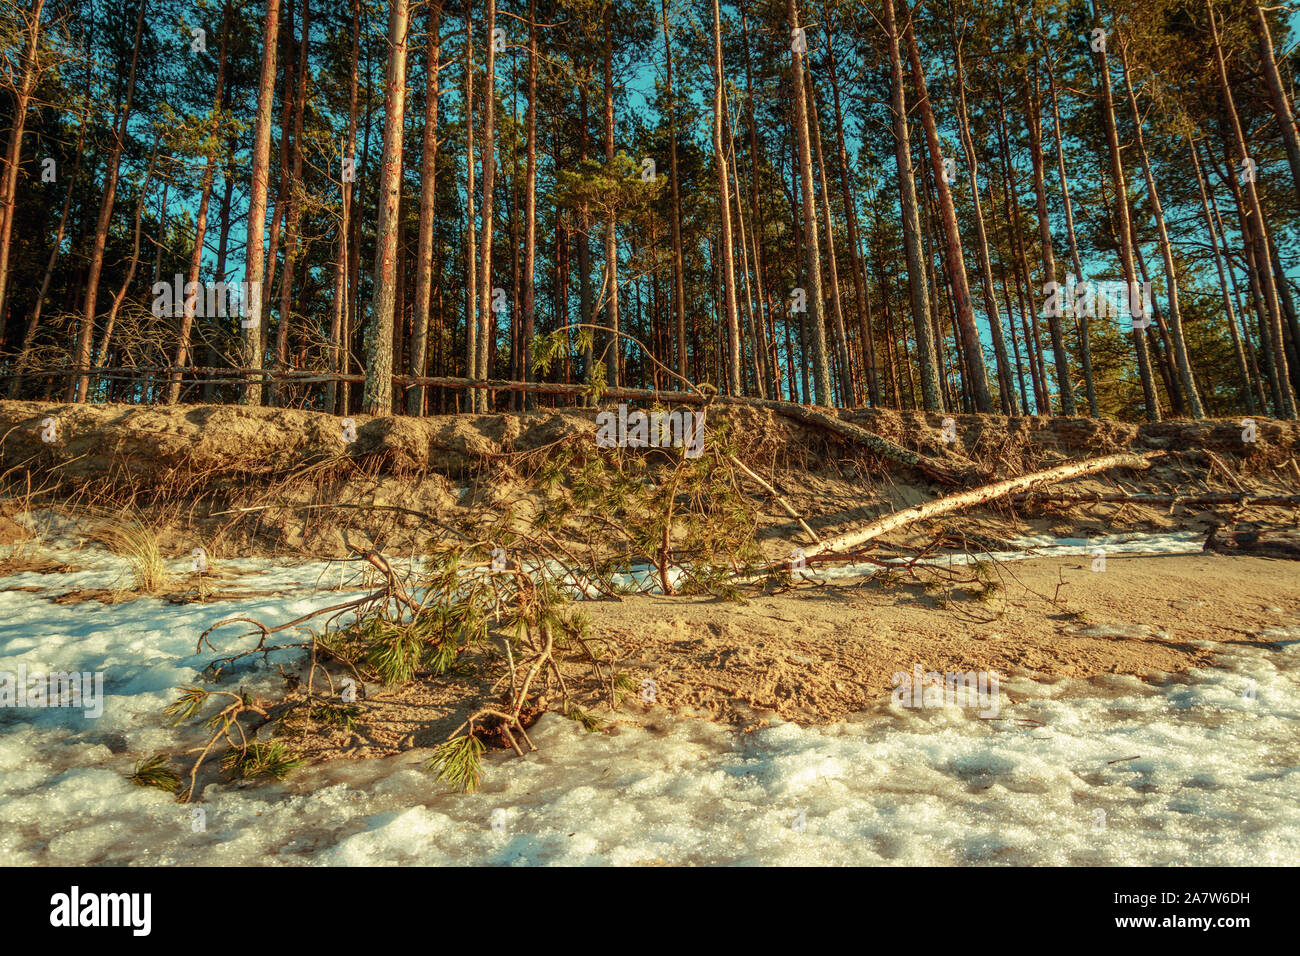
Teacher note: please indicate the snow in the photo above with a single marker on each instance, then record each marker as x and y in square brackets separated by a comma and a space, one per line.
[1215, 777]
[1037, 546]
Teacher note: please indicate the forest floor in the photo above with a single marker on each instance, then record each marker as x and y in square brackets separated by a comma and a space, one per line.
[280, 482]
[256, 484]
[1155, 691]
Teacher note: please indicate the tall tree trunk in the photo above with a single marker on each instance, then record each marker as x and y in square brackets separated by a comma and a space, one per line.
[110, 321]
[1107, 105]
[34, 320]
[815, 316]
[1184, 365]
[758, 221]
[675, 221]
[86, 333]
[1020, 265]
[1277, 95]
[1258, 379]
[377, 398]
[916, 278]
[487, 163]
[955, 262]
[612, 346]
[471, 269]
[837, 313]
[851, 221]
[728, 253]
[340, 343]
[1255, 225]
[428, 212]
[1162, 351]
[1017, 364]
[354, 321]
[754, 324]
[586, 308]
[1223, 281]
[530, 211]
[181, 356]
[1006, 387]
[1291, 332]
[213, 356]
[278, 217]
[254, 262]
[13, 154]
[1081, 316]
[1033, 120]
[796, 213]
[293, 208]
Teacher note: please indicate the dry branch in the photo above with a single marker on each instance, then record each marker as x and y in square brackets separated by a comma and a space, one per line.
[785, 505]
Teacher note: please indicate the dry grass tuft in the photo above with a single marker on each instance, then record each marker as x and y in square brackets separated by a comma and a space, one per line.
[131, 537]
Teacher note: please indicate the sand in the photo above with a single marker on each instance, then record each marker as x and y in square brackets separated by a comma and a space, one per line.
[822, 654]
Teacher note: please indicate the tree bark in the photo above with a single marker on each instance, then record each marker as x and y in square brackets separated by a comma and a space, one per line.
[472, 369]
[675, 220]
[487, 163]
[728, 252]
[1183, 363]
[930, 395]
[1081, 317]
[13, 155]
[860, 291]
[1033, 121]
[181, 356]
[613, 347]
[1277, 94]
[340, 339]
[1255, 225]
[428, 213]
[955, 261]
[1247, 393]
[34, 320]
[1006, 387]
[976, 497]
[530, 210]
[1107, 105]
[837, 313]
[110, 321]
[86, 333]
[377, 396]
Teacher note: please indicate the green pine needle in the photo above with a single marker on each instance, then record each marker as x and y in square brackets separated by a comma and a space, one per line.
[154, 772]
[261, 760]
[459, 762]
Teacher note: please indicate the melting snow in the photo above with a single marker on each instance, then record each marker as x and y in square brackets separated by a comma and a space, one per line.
[1214, 779]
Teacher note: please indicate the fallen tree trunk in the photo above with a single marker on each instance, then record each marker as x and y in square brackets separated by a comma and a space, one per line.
[1264, 544]
[1226, 498]
[950, 470]
[975, 497]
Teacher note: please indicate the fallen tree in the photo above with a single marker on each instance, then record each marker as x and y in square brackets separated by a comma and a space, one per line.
[950, 470]
[1145, 498]
[1264, 544]
[975, 497]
